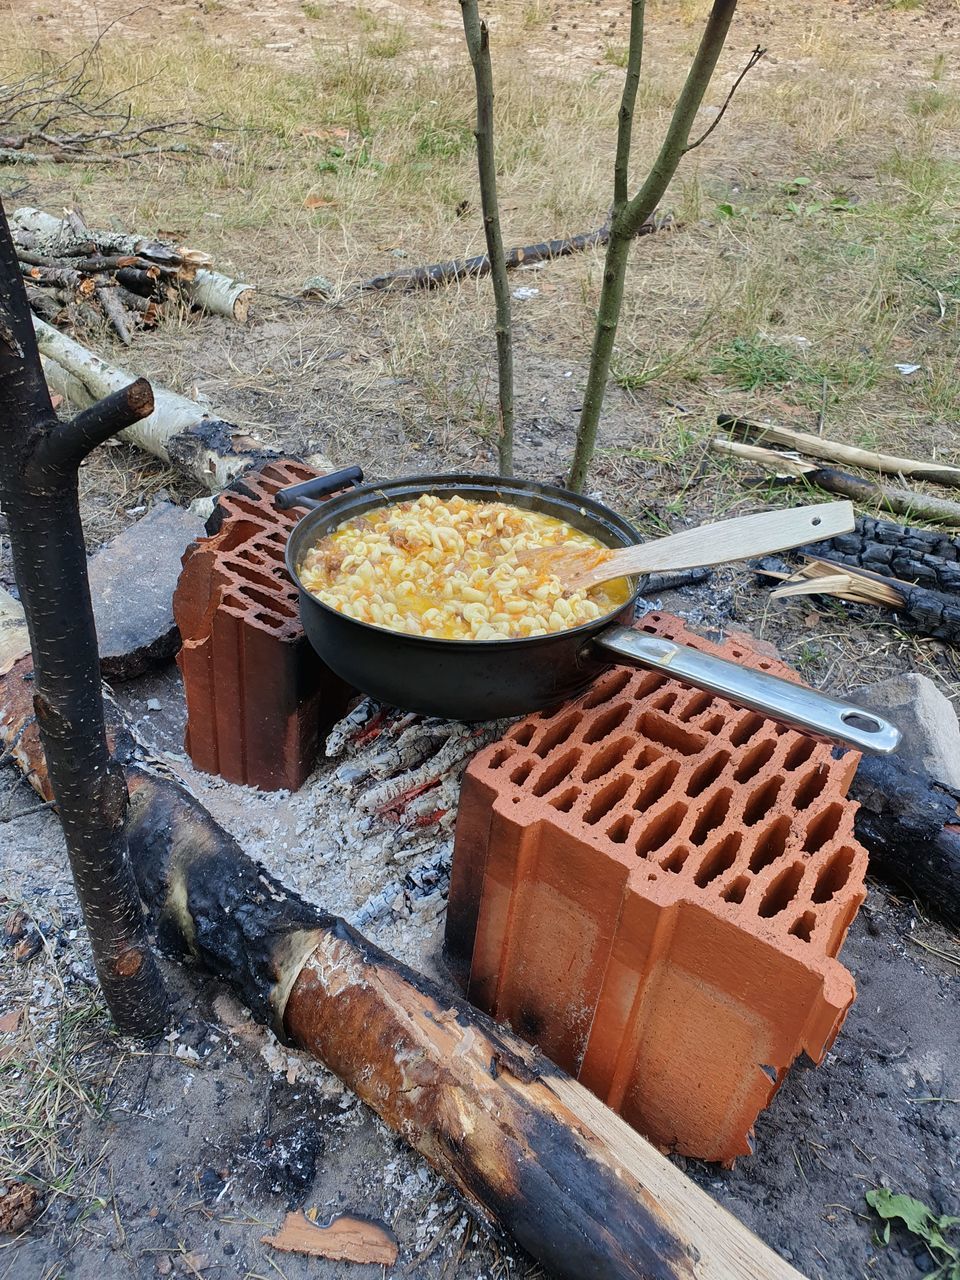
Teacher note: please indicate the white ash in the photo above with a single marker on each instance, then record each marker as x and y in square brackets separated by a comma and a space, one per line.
[370, 835]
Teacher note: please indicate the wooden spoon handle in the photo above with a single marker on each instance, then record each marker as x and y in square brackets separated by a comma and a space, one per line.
[737, 539]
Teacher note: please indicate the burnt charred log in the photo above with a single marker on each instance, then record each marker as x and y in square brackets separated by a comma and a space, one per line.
[911, 825]
[38, 487]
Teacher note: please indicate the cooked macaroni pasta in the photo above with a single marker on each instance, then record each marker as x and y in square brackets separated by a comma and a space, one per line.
[450, 568]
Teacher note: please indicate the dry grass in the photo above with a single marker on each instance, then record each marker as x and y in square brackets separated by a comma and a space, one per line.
[817, 250]
[56, 1068]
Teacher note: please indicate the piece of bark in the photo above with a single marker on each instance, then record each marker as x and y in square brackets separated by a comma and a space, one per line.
[345, 1239]
[538, 1154]
[911, 825]
[132, 581]
[833, 451]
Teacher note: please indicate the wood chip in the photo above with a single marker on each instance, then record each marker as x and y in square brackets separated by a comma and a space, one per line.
[10, 1021]
[346, 1239]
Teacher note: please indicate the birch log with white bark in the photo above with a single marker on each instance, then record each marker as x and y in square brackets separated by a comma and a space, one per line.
[179, 431]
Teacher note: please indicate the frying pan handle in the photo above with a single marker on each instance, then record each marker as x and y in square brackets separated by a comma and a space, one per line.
[814, 713]
[303, 494]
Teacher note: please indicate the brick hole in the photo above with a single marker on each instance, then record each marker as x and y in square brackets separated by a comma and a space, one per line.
[607, 798]
[620, 829]
[606, 722]
[770, 845]
[764, 666]
[501, 756]
[694, 706]
[754, 760]
[648, 682]
[833, 875]
[557, 771]
[736, 891]
[248, 507]
[744, 729]
[656, 834]
[718, 859]
[676, 860]
[823, 828]
[669, 734]
[521, 772]
[656, 786]
[648, 755]
[736, 653]
[565, 801]
[714, 724]
[270, 620]
[800, 752]
[608, 687]
[523, 734]
[265, 600]
[556, 733]
[803, 927]
[665, 699]
[254, 571]
[712, 816]
[275, 536]
[606, 758]
[706, 773]
[781, 891]
[762, 801]
[811, 786]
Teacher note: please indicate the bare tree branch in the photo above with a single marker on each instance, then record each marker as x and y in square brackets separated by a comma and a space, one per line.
[751, 63]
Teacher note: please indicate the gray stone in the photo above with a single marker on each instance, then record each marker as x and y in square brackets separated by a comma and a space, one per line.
[925, 717]
[132, 580]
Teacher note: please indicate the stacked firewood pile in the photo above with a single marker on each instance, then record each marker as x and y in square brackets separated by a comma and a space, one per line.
[80, 278]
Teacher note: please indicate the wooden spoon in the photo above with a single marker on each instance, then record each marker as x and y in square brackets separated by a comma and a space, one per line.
[738, 539]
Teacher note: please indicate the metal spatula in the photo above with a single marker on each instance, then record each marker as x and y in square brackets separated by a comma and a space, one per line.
[718, 543]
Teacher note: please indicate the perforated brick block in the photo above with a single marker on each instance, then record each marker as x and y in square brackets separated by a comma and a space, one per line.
[258, 696]
[653, 885]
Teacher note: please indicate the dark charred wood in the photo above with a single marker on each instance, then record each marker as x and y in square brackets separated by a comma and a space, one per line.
[141, 280]
[62, 450]
[921, 556]
[45, 303]
[911, 826]
[441, 273]
[42, 509]
[61, 277]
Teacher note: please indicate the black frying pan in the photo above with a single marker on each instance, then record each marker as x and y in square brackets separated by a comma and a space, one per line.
[487, 679]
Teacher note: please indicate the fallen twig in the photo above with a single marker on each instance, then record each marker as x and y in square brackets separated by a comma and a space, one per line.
[833, 451]
[441, 273]
[788, 469]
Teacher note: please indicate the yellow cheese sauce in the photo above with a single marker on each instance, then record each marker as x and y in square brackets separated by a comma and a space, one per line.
[453, 569]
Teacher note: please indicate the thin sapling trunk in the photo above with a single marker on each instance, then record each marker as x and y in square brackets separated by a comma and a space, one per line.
[629, 214]
[39, 461]
[478, 45]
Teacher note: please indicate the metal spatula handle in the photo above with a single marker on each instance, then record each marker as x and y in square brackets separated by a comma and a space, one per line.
[794, 704]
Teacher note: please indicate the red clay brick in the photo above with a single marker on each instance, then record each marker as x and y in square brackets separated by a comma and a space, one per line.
[653, 885]
[258, 696]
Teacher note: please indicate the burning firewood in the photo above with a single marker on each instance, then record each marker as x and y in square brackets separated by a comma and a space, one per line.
[128, 280]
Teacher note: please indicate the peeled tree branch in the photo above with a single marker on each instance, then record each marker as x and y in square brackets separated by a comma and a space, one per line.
[39, 461]
[629, 214]
[478, 45]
